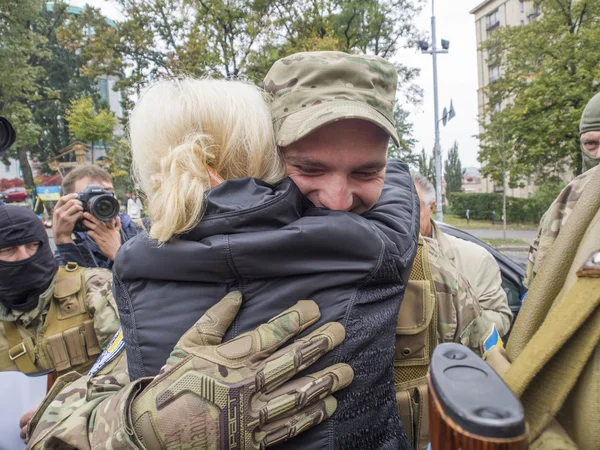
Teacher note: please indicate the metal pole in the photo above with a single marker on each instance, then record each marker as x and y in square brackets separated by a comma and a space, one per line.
[503, 187]
[436, 149]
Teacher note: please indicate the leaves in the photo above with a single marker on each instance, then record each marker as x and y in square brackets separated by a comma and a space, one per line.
[549, 72]
[87, 125]
[453, 172]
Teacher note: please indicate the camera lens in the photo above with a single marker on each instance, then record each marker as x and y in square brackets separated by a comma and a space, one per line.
[7, 134]
[104, 207]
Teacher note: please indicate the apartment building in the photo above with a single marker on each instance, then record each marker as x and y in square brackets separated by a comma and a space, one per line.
[490, 15]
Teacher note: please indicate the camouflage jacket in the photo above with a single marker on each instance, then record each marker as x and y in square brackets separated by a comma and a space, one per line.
[460, 316]
[552, 221]
[98, 301]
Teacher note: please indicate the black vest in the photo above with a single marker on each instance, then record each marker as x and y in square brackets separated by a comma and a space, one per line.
[275, 247]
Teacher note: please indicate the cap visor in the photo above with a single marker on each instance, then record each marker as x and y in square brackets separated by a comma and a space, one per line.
[301, 123]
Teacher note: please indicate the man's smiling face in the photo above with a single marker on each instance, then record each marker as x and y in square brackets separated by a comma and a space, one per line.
[340, 166]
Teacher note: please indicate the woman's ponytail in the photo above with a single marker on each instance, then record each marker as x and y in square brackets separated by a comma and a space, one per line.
[181, 128]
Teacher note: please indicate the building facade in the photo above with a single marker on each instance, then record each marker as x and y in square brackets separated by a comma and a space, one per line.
[490, 15]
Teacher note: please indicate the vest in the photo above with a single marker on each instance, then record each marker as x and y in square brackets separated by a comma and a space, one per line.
[416, 338]
[67, 340]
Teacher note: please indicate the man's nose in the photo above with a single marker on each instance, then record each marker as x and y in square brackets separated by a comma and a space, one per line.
[21, 253]
[337, 195]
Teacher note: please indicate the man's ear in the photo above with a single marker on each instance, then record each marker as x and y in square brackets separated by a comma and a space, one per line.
[432, 207]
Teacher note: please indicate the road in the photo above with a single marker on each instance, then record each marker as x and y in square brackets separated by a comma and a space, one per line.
[486, 233]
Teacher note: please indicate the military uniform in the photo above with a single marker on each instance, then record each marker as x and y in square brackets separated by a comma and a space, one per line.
[439, 306]
[481, 270]
[551, 223]
[553, 348]
[180, 407]
[74, 320]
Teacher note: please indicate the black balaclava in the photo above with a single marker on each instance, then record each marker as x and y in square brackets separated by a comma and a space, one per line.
[22, 282]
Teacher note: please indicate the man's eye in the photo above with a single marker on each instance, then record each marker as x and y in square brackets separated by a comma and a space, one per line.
[591, 144]
[368, 175]
[310, 170]
[7, 250]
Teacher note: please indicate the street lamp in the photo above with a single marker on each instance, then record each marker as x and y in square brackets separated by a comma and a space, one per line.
[424, 46]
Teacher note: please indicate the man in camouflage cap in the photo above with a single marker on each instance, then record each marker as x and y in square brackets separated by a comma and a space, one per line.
[333, 117]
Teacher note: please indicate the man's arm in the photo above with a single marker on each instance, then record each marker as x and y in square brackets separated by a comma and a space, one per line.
[242, 384]
[460, 316]
[488, 291]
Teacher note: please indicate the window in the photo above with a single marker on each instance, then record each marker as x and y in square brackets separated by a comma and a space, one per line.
[7, 167]
[522, 5]
[103, 88]
[493, 20]
[498, 106]
[495, 74]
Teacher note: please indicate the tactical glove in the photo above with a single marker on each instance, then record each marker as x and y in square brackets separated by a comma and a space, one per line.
[237, 395]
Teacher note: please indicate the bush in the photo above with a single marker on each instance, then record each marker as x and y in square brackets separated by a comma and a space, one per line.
[518, 210]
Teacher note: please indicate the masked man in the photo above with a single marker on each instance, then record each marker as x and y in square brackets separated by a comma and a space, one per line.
[52, 317]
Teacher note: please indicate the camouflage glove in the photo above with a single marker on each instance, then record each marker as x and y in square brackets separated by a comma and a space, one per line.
[237, 395]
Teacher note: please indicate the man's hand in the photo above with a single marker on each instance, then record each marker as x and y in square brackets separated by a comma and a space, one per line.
[67, 212]
[238, 394]
[24, 421]
[106, 235]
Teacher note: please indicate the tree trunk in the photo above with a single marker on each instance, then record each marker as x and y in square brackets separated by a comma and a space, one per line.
[26, 168]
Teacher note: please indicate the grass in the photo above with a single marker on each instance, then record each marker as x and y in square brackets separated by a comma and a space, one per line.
[461, 222]
[500, 242]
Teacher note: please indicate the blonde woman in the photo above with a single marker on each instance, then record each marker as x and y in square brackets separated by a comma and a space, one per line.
[224, 217]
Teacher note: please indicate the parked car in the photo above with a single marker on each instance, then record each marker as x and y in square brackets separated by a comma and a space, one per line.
[17, 194]
[512, 273]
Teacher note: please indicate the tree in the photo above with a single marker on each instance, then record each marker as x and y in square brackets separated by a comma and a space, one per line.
[426, 166]
[453, 171]
[88, 125]
[19, 77]
[41, 71]
[404, 129]
[549, 72]
[242, 39]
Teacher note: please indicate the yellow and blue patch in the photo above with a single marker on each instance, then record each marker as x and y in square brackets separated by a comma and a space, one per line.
[492, 340]
[115, 346]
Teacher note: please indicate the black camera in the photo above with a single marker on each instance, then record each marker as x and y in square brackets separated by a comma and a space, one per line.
[7, 134]
[99, 202]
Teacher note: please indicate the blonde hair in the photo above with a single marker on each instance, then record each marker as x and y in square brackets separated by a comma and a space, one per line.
[181, 128]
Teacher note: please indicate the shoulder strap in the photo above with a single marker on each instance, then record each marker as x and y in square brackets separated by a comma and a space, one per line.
[549, 365]
[21, 350]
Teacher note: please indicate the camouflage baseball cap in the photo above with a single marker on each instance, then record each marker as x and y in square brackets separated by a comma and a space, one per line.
[313, 89]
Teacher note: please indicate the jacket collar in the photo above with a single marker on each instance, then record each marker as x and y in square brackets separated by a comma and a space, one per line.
[233, 207]
[443, 241]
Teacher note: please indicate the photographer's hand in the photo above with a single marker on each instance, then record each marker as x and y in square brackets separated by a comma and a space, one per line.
[67, 212]
[106, 235]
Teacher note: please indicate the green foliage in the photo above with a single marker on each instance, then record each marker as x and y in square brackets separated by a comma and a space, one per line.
[518, 210]
[88, 125]
[426, 166]
[549, 72]
[453, 172]
[407, 143]
[242, 39]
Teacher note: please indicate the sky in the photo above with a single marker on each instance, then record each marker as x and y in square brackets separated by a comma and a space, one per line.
[457, 76]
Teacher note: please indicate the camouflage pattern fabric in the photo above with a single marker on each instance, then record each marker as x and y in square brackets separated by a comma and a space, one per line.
[99, 302]
[80, 411]
[460, 316]
[313, 89]
[208, 396]
[551, 223]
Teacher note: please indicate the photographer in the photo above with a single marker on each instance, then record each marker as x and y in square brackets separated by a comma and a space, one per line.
[99, 244]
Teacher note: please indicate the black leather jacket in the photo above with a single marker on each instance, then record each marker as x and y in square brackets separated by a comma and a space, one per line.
[277, 248]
